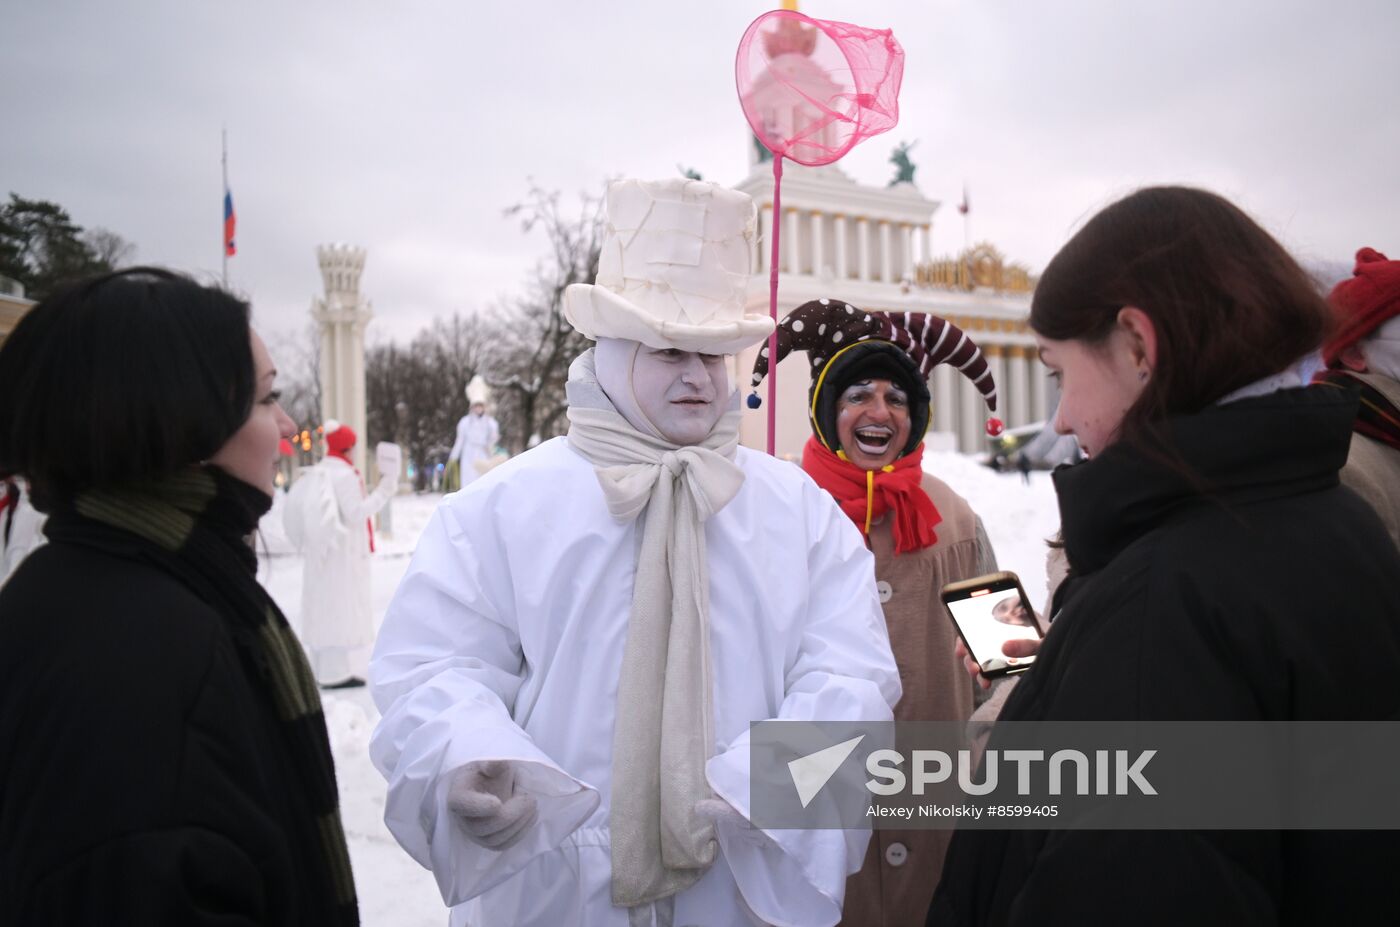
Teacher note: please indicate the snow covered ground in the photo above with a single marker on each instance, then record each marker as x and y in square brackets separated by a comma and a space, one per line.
[394, 890]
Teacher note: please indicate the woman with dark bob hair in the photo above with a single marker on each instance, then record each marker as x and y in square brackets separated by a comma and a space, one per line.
[163, 756]
[1218, 572]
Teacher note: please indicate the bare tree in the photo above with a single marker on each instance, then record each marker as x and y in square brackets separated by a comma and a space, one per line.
[108, 247]
[416, 394]
[532, 343]
[298, 357]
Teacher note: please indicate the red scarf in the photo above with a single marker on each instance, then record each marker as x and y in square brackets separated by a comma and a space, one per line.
[865, 495]
[369, 522]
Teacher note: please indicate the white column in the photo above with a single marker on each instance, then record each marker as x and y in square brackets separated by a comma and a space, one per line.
[818, 246]
[327, 368]
[886, 265]
[945, 387]
[906, 250]
[1019, 410]
[927, 243]
[765, 237]
[337, 374]
[1040, 406]
[794, 241]
[357, 391]
[996, 363]
[970, 417]
[863, 246]
[838, 231]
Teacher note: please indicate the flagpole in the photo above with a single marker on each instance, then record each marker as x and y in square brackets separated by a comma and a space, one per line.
[966, 209]
[967, 221]
[223, 244]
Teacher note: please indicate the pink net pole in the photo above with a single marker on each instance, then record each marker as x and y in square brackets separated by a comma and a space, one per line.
[773, 306]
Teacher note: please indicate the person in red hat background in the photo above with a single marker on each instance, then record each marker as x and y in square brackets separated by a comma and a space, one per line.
[868, 407]
[1364, 354]
[337, 626]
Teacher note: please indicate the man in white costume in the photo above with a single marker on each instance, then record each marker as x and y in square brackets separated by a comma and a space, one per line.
[477, 434]
[337, 624]
[569, 670]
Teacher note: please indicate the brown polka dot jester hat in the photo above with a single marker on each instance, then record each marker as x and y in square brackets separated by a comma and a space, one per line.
[846, 345]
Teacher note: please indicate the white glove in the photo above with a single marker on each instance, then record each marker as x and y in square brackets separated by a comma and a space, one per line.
[388, 457]
[725, 816]
[492, 811]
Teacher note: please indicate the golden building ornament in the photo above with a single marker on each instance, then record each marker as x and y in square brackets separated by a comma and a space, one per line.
[980, 267]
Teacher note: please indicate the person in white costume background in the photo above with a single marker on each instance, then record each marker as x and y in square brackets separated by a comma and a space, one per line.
[643, 574]
[21, 527]
[337, 625]
[477, 435]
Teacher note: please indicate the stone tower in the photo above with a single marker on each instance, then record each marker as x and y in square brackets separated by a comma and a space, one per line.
[342, 315]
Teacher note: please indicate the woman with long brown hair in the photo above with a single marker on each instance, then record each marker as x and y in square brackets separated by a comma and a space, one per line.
[1218, 570]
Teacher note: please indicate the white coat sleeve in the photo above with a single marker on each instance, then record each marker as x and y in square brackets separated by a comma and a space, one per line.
[460, 441]
[26, 535]
[844, 671]
[355, 505]
[446, 670]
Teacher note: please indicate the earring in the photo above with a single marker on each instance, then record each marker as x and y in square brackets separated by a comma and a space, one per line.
[1142, 375]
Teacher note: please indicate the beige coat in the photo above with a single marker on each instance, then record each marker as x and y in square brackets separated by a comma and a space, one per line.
[1373, 468]
[901, 869]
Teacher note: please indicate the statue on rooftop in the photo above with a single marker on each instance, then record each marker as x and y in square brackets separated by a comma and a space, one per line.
[903, 166]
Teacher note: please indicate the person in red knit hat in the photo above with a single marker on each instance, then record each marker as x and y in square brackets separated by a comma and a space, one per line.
[868, 407]
[1364, 354]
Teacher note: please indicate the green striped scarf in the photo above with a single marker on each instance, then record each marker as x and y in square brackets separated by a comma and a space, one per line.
[194, 522]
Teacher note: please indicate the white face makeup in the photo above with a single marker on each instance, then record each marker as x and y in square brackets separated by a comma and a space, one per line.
[681, 393]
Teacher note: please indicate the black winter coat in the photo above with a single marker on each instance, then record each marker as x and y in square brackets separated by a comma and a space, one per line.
[141, 778]
[1250, 603]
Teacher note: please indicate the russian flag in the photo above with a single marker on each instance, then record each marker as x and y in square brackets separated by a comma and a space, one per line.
[230, 221]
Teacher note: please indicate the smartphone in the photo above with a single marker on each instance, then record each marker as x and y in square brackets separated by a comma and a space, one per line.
[988, 611]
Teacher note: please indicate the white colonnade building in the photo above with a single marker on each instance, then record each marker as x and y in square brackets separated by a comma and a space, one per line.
[870, 247]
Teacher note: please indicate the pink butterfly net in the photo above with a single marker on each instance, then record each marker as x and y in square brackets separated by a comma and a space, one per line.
[813, 89]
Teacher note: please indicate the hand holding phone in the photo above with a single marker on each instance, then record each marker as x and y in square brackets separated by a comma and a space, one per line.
[996, 624]
[1012, 648]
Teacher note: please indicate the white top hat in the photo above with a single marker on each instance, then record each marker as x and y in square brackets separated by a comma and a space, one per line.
[478, 391]
[674, 269]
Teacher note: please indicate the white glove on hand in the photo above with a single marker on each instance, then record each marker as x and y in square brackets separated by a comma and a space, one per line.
[724, 815]
[388, 457]
[492, 811]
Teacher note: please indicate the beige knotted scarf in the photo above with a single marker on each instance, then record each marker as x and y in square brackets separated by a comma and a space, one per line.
[665, 728]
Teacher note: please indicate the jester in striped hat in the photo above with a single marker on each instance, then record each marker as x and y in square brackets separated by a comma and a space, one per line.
[868, 407]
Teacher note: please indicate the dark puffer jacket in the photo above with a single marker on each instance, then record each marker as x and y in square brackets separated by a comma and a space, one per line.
[142, 780]
[1254, 602]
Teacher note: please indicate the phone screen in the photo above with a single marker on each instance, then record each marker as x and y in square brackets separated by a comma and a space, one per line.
[988, 618]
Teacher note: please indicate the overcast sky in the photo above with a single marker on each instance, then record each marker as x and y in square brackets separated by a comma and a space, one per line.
[408, 127]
